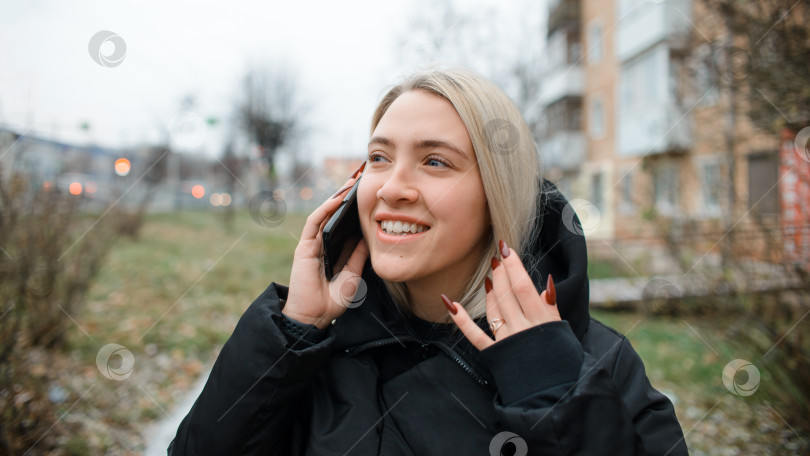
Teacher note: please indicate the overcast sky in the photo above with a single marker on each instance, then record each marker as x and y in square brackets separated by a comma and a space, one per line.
[344, 53]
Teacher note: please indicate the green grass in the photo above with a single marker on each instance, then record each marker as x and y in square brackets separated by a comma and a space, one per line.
[688, 361]
[603, 269]
[171, 298]
[186, 280]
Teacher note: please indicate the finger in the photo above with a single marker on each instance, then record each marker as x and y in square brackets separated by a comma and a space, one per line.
[471, 331]
[358, 259]
[523, 288]
[493, 311]
[312, 247]
[323, 224]
[505, 298]
[319, 216]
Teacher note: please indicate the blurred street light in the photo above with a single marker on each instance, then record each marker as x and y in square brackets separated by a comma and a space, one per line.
[122, 166]
[198, 191]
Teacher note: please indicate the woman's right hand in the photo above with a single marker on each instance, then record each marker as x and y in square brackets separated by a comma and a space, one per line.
[312, 298]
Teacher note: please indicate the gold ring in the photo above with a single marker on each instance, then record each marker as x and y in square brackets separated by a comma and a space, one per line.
[496, 324]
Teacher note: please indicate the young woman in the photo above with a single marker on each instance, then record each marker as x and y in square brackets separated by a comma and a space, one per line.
[456, 339]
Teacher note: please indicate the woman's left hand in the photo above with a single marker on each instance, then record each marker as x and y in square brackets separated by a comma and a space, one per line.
[513, 304]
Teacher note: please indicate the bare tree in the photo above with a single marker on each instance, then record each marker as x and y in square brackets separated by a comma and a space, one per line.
[746, 65]
[771, 42]
[232, 165]
[270, 111]
[479, 39]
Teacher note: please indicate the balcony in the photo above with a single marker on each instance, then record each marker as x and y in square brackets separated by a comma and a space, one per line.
[562, 13]
[643, 24]
[655, 129]
[564, 150]
[567, 81]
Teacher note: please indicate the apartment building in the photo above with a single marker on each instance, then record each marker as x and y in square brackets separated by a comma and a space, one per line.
[633, 126]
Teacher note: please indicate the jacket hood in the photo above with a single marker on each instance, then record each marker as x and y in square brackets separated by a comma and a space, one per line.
[559, 250]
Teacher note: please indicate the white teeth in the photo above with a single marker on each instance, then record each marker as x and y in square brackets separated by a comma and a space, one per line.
[400, 227]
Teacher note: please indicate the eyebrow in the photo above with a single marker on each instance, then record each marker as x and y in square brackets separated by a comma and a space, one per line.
[421, 144]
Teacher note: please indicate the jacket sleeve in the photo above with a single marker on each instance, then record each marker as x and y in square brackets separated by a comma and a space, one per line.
[250, 398]
[563, 401]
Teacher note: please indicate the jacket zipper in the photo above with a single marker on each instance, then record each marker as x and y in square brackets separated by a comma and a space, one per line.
[460, 361]
[446, 349]
[380, 343]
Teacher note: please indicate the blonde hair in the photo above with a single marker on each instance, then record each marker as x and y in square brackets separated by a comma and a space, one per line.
[507, 160]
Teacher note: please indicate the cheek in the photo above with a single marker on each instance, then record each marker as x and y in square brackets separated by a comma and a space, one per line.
[366, 198]
[466, 208]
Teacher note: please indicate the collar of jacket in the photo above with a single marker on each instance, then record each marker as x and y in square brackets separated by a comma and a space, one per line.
[559, 250]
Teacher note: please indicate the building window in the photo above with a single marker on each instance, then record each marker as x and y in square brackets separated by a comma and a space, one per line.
[763, 175]
[564, 115]
[595, 43]
[705, 79]
[564, 48]
[575, 116]
[557, 50]
[641, 81]
[574, 45]
[666, 188]
[710, 188]
[597, 118]
[597, 194]
[627, 205]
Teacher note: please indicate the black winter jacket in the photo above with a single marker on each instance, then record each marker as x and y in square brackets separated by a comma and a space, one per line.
[382, 382]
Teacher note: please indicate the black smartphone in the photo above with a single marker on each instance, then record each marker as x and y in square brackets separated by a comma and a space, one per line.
[341, 234]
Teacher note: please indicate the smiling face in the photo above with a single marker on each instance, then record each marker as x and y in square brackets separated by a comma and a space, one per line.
[421, 201]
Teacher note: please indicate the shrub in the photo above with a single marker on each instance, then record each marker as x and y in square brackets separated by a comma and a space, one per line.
[51, 252]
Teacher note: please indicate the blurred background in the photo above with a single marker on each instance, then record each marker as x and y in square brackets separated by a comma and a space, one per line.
[158, 159]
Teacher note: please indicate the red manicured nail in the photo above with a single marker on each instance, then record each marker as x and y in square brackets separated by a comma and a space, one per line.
[359, 170]
[487, 284]
[495, 263]
[504, 249]
[449, 304]
[551, 292]
[341, 191]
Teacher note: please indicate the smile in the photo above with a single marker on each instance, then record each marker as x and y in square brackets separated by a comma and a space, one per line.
[401, 228]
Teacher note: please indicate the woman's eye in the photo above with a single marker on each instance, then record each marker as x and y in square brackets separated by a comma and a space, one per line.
[374, 157]
[436, 162]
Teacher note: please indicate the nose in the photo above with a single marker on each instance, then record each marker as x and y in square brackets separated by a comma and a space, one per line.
[399, 187]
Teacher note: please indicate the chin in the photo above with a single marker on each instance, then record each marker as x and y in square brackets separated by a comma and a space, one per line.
[390, 272]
